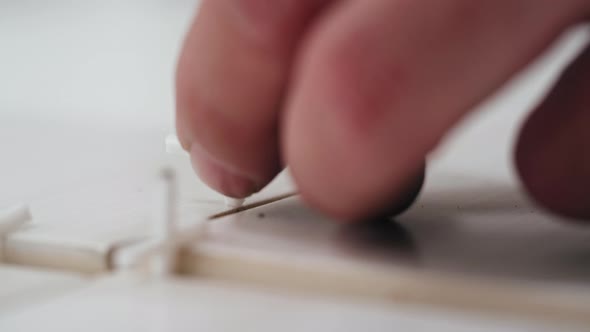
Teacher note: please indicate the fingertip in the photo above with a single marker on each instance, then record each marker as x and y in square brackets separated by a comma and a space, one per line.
[550, 193]
[227, 105]
[550, 156]
[546, 171]
[349, 135]
[409, 194]
[221, 178]
[397, 201]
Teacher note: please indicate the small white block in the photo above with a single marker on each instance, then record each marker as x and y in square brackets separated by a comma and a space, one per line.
[13, 218]
[165, 223]
[232, 203]
[164, 205]
[173, 145]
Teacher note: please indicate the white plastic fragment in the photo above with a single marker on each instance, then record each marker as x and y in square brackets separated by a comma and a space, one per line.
[233, 203]
[140, 253]
[10, 220]
[173, 145]
[165, 223]
[13, 218]
[159, 252]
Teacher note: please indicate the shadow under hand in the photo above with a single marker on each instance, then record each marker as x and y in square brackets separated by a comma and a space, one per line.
[381, 239]
[452, 194]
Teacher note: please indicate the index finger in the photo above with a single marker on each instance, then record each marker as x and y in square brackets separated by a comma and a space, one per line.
[230, 82]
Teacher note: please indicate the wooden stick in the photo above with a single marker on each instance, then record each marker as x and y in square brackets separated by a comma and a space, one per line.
[400, 284]
[251, 206]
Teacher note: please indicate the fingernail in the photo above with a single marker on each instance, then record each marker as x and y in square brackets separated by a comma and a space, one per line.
[218, 177]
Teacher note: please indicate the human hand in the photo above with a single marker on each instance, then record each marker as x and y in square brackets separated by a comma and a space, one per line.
[353, 95]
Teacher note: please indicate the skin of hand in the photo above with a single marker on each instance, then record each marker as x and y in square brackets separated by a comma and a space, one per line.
[354, 94]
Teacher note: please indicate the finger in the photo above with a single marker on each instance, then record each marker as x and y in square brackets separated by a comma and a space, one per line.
[230, 81]
[403, 199]
[380, 82]
[553, 155]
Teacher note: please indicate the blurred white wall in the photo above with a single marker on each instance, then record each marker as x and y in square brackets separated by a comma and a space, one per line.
[93, 61]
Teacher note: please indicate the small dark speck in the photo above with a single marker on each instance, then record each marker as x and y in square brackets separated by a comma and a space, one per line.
[261, 215]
